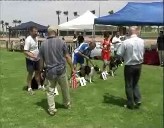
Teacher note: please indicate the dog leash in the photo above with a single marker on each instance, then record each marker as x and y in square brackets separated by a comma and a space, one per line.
[91, 63]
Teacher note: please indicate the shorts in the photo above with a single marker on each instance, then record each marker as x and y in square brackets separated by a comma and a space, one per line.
[77, 59]
[32, 65]
[105, 56]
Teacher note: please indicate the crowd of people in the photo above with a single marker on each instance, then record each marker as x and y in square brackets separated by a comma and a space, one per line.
[53, 55]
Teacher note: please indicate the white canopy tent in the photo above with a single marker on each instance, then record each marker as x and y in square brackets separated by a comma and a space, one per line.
[83, 22]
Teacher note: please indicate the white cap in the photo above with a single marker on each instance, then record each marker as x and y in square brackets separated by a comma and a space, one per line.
[53, 28]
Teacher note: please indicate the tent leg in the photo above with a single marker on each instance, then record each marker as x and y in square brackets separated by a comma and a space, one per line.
[8, 42]
[93, 33]
[158, 30]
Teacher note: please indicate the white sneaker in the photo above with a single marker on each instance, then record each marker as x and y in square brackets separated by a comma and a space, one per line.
[52, 112]
[30, 91]
[106, 72]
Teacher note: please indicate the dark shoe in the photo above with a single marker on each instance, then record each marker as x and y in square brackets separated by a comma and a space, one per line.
[67, 106]
[129, 107]
[137, 105]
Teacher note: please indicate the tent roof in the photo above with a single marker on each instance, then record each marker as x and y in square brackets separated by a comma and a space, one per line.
[135, 14]
[85, 21]
[27, 25]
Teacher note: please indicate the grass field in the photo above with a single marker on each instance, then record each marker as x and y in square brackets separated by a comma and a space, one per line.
[89, 109]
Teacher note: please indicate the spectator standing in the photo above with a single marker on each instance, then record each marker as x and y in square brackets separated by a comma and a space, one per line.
[132, 50]
[54, 54]
[160, 44]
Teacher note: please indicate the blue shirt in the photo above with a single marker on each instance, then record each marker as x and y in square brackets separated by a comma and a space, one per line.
[83, 48]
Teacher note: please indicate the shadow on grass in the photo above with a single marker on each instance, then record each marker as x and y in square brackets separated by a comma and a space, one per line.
[43, 103]
[114, 100]
[15, 50]
[25, 88]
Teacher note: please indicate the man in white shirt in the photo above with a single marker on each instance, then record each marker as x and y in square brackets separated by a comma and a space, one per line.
[32, 60]
[116, 41]
[132, 50]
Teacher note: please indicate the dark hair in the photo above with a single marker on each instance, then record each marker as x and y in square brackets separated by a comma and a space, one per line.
[81, 39]
[106, 34]
[74, 36]
[32, 27]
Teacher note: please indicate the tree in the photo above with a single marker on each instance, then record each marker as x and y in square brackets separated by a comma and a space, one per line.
[2, 23]
[7, 26]
[66, 14]
[93, 11]
[15, 22]
[19, 21]
[111, 12]
[58, 13]
[75, 14]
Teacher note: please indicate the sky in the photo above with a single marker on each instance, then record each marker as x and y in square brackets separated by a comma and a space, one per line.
[44, 12]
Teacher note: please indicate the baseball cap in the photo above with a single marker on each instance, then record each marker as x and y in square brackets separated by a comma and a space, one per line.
[53, 28]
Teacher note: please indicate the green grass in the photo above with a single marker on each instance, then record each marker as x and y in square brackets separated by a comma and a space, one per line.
[20, 110]
[149, 35]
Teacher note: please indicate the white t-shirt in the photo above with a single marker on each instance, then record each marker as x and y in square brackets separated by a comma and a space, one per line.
[31, 45]
[114, 40]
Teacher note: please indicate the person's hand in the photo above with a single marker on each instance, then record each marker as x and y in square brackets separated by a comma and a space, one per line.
[73, 71]
[35, 57]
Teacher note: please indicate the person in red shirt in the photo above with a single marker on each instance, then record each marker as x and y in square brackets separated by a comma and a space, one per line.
[105, 53]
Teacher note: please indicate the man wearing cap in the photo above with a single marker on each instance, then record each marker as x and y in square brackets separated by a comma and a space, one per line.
[54, 54]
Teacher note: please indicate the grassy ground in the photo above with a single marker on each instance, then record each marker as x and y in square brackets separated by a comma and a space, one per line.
[89, 109]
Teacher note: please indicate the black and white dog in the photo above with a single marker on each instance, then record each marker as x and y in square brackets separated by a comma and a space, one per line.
[43, 81]
[34, 84]
[115, 62]
[88, 72]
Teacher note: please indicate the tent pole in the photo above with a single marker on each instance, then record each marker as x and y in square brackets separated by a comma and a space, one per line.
[8, 42]
[93, 33]
[158, 30]
[140, 31]
[99, 8]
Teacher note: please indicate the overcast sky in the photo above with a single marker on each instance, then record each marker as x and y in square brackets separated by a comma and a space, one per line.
[44, 12]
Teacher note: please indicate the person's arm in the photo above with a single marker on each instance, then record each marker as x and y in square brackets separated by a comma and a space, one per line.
[81, 50]
[114, 41]
[121, 50]
[41, 60]
[101, 45]
[30, 54]
[81, 54]
[69, 61]
[41, 65]
[68, 57]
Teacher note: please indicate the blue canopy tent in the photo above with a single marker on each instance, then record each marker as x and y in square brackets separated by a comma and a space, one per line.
[27, 25]
[135, 14]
